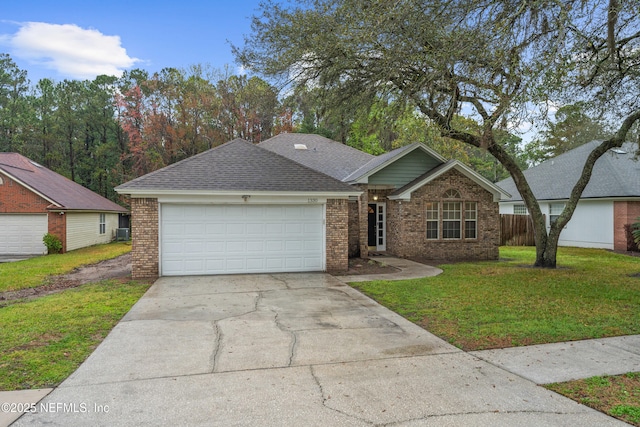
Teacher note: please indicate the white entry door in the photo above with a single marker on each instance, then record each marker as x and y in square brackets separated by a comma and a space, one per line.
[228, 239]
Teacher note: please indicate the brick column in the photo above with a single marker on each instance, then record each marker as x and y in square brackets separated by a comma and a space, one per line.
[624, 212]
[57, 225]
[144, 235]
[363, 206]
[337, 226]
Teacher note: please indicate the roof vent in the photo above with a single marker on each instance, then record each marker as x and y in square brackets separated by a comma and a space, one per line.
[35, 164]
[299, 146]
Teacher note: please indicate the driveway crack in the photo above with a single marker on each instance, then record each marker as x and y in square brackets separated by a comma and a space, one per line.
[294, 338]
[217, 346]
[326, 398]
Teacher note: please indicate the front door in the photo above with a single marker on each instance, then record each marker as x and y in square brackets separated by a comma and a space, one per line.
[377, 231]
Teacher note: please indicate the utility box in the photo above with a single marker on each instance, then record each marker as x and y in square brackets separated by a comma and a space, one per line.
[122, 234]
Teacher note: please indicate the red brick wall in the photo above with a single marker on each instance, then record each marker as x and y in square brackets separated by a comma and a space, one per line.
[625, 212]
[406, 222]
[58, 227]
[337, 215]
[14, 198]
[144, 236]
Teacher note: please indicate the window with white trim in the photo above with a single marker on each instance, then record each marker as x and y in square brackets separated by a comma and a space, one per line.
[451, 220]
[555, 210]
[433, 220]
[103, 224]
[451, 194]
[520, 210]
[470, 220]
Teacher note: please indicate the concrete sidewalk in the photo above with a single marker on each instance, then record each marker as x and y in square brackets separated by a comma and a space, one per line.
[566, 361]
[289, 350]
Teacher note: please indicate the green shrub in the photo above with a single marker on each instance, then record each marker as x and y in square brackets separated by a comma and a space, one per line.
[53, 243]
[635, 231]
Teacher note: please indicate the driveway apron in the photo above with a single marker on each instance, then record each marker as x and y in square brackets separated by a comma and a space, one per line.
[288, 350]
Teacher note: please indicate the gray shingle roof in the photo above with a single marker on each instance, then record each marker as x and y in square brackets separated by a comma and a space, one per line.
[65, 193]
[614, 175]
[237, 165]
[322, 154]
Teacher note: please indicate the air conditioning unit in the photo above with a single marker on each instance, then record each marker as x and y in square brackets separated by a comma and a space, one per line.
[122, 234]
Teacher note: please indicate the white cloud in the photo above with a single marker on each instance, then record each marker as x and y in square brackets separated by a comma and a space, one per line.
[70, 50]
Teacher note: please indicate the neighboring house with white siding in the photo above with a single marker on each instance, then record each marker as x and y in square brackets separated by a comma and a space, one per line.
[610, 201]
[35, 200]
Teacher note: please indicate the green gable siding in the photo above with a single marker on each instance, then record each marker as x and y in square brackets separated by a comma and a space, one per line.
[405, 170]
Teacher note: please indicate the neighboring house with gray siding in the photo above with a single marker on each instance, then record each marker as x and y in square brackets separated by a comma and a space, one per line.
[610, 201]
[35, 200]
[299, 202]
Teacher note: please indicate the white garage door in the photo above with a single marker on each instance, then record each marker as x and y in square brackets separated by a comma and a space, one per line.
[22, 234]
[227, 239]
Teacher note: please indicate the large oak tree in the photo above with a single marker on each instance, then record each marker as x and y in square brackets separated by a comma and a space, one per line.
[501, 62]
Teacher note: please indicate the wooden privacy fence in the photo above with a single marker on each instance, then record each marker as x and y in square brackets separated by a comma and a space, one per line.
[516, 230]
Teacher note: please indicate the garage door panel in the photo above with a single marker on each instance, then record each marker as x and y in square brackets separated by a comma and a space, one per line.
[205, 239]
[215, 247]
[255, 246]
[236, 247]
[22, 234]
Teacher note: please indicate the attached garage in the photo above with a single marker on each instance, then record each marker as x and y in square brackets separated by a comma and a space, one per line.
[22, 234]
[243, 238]
[236, 209]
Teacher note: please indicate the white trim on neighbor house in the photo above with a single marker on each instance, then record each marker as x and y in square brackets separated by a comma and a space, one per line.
[585, 229]
[497, 192]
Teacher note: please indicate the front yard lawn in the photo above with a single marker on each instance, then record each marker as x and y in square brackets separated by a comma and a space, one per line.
[618, 395]
[32, 272]
[592, 294]
[43, 340]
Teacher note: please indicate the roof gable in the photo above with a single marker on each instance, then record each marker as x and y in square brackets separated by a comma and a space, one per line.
[399, 166]
[319, 153]
[237, 166]
[404, 193]
[615, 174]
[60, 191]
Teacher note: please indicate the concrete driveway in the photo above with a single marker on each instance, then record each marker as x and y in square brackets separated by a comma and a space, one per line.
[288, 350]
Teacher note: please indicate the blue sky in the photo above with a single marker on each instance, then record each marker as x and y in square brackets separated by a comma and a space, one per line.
[79, 39]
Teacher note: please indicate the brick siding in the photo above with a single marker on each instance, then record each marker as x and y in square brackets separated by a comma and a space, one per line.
[625, 212]
[14, 198]
[337, 233]
[363, 220]
[144, 234]
[57, 225]
[406, 222]
[354, 229]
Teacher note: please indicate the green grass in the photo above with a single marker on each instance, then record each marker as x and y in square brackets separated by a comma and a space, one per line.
[618, 396]
[42, 341]
[33, 272]
[594, 293]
